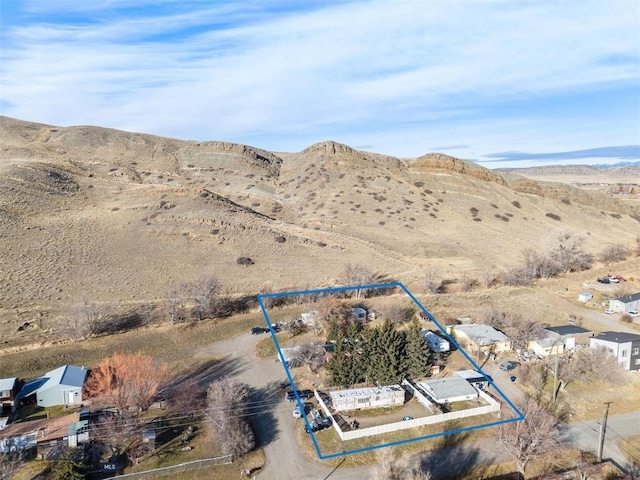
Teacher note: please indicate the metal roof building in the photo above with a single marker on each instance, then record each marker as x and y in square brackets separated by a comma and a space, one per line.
[62, 386]
[449, 389]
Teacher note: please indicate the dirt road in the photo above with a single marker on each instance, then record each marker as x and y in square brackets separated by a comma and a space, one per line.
[273, 420]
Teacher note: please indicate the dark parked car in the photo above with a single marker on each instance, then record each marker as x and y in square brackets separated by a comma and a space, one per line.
[508, 365]
[259, 330]
[303, 394]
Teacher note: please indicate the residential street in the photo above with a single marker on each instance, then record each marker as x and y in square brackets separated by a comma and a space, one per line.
[273, 423]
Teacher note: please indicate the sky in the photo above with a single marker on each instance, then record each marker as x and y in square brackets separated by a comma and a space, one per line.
[503, 83]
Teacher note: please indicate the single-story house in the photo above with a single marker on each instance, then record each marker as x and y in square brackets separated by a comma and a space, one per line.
[547, 345]
[45, 432]
[368, 397]
[624, 346]
[478, 336]
[475, 378]
[8, 392]
[359, 314]
[449, 389]
[571, 335]
[585, 297]
[625, 304]
[559, 339]
[62, 386]
[435, 342]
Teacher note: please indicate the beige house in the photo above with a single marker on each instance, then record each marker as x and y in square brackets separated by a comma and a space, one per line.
[476, 337]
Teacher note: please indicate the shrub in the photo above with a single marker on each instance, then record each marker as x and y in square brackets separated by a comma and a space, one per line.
[281, 239]
[614, 252]
[553, 216]
[493, 205]
[474, 211]
[244, 261]
[516, 204]
[566, 201]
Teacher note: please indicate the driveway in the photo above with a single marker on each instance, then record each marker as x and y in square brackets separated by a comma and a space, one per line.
[273, 421]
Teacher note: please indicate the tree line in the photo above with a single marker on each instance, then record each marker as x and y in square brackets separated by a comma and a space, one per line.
[382, 355]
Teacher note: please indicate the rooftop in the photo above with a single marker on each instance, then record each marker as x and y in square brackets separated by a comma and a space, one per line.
[366, 391]
[618, 337]
[47, 429]
[483, 334]
[634, 297]
[472, 375]
[449, 387]
[7, 383]
[68, 375]
[567, 330]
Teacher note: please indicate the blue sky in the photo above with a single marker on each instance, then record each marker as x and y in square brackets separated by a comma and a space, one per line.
[500, 82]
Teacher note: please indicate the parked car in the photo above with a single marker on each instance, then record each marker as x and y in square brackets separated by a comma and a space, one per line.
[303, 394]
[609, 311]
[633, 313]
[509, 365]
[297, 412]
[259, 330]
[604, 280]
[407, 418]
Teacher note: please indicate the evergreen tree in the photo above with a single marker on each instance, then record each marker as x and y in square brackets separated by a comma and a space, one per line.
[417, 352]
[386, 355]
[68, 467]
[334, 330]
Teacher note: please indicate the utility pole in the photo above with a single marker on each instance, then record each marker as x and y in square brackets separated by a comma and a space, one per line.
[555, 375]
[603, 430]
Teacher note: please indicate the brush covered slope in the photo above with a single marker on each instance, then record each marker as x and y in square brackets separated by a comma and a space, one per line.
[124, 217]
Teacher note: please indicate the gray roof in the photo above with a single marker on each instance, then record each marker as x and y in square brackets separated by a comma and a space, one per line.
[618, 337]
[472, 375]
[449, 387]
[7, 383]
[634, 297]
[484, 334]
[67, 375]
[567, 330]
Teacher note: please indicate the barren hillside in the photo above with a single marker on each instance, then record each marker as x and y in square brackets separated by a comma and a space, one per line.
[119, 216]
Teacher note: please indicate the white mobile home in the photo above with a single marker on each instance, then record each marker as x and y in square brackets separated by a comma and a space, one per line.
[435, 342]
[369, 397]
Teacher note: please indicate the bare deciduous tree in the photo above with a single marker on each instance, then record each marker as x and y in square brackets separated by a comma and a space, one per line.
[357, 274]
[187, 398]
[431, 281]
[567, 251]
[205, 291]
[534, 436]
[227, 410]
[127, 380]
[310, 354]
[119, 434]
[614, 252]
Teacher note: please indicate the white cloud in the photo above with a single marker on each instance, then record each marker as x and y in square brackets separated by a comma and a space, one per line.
[345, 68]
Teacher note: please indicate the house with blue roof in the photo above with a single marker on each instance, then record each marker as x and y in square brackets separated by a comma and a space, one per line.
[62, 386]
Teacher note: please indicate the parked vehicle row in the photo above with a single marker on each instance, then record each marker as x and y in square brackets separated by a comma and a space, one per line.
[290, 396]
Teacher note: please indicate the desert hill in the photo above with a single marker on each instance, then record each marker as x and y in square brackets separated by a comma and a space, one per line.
[123, 217]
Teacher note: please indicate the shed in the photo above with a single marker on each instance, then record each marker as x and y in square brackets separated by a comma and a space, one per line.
[359, 314]
[585, 297]
[449, 389]
[62, 386]
[435, 342]
[8, 392]
[368, 397]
